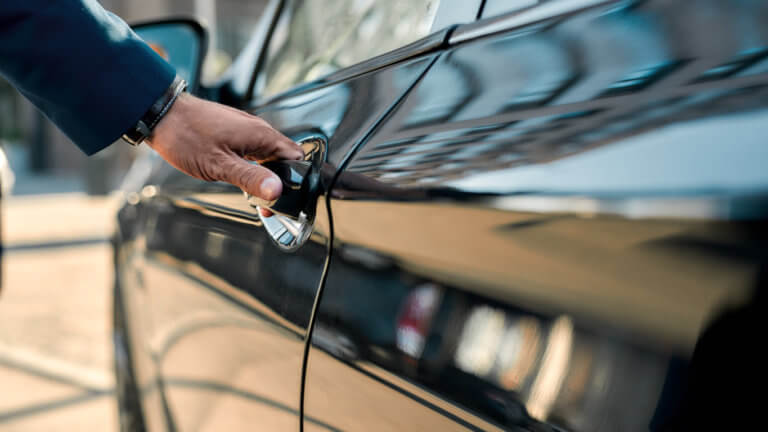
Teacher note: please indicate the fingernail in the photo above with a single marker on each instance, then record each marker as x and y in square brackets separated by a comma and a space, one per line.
[270, 188]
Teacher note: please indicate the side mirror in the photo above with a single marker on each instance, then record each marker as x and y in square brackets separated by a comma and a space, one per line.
[181, 41]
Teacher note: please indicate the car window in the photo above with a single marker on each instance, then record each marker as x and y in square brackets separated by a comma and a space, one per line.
[498, 7]
[314, 38]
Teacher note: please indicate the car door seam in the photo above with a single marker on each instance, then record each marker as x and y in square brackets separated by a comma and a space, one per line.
[329, 255]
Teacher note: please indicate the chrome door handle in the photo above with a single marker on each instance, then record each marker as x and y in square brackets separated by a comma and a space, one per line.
[298, 189]
[294, 210]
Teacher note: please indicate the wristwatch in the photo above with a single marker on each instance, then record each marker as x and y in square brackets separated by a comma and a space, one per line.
[143, 128]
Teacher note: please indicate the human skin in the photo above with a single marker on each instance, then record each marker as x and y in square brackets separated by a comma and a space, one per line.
[214, 142]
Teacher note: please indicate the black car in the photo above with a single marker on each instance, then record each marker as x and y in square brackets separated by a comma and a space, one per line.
[527, 216]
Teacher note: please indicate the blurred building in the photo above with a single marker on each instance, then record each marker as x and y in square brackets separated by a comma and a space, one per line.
[49, 151]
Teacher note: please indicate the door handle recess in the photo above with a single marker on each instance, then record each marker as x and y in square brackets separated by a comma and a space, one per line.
[294, 210]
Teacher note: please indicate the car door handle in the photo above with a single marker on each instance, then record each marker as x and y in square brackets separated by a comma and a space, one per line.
[298, 189]
[300, 180]
[294, 210]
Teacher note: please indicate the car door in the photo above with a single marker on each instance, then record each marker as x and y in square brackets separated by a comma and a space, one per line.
[230, 294]
[538, 236]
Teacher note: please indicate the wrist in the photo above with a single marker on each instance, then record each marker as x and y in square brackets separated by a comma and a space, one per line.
[171, 124]
[145, 126]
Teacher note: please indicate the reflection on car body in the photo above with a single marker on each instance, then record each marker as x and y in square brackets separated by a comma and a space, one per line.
[549, 219]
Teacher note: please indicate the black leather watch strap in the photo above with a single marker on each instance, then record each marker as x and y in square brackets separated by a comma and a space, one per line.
[143, 128]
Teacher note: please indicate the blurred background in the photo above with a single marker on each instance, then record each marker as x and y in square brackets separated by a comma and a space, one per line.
[35, 147]
[55, 349]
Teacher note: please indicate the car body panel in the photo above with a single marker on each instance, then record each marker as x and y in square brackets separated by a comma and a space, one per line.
[551, 219]
[551, 225]
[224, 312]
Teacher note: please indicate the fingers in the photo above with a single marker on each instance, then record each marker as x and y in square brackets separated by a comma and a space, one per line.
[253, 179]
[259, 141]
[210, 141]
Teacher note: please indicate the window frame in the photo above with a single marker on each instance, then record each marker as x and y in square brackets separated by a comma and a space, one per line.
[450, 13]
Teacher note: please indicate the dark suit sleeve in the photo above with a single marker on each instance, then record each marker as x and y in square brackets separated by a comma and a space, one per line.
[81, 65]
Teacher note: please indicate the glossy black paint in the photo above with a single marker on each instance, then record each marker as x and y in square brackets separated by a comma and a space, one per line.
[548, 220]
[217, 290]
[560, 227]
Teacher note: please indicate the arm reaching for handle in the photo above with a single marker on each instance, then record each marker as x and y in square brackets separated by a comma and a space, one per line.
[214, 142]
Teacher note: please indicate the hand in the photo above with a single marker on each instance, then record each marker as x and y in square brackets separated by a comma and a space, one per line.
[214, 142]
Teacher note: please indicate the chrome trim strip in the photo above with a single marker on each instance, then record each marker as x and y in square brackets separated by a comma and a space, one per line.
[421, 47]
[521, 18]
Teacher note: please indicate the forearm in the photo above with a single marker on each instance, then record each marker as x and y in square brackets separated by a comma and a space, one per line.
[82, 66]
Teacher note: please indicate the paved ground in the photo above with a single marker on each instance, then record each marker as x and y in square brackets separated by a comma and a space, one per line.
[55, 360]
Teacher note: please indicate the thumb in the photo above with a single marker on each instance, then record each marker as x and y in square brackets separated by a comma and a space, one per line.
[253, 179]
